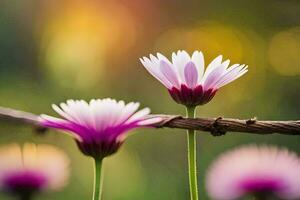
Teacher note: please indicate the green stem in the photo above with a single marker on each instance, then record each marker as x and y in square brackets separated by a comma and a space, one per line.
[98, 180]
[192, 164]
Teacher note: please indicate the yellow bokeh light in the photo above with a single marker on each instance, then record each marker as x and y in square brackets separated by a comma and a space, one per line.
[76, 40]
[284, 52]
[211, 38]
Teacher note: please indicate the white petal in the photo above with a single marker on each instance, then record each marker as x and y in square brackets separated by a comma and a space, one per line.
[234, 73]
[198, 59]
[162, 57]
[51, 119]
[215, 63]
[150, 121]
[213, 77]
[169, 73]
[138, 115]
[152, 66]
[127, 112]
[191, 75]
[179, 61]
[62, 113]
[226, 63]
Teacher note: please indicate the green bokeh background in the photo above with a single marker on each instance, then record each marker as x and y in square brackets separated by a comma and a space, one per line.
[51, 51]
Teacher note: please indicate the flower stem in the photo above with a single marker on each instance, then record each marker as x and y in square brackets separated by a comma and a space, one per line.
[192, 165]
[98, 180]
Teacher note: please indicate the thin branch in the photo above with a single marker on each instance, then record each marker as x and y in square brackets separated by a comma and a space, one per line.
[219, 126]
[216, 126]
[17, 116]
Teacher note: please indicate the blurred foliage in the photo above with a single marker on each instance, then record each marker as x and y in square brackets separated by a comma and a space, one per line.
[51, 51]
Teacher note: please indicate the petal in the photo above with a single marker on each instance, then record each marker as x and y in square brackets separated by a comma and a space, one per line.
[152, 66]
[226, 63]
[75, 111]
[138, 115]
[215, 63]
[62, 113]
[214, 76]
[231, 75]
[56, 123]
[127, 112]
[179, 61]
[198, 59]
[150, 121]
[169, 73]
[191, 74]
[45, 119]
[162, 57]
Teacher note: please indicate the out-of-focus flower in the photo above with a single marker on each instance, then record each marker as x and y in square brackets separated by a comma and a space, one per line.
[100, 126]
[185, 78]
[31, 169]
[253, 170]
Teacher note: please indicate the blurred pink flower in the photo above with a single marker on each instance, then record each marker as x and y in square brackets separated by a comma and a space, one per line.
[265, 170]
[101, 126]
[185, 78]
[35, 168]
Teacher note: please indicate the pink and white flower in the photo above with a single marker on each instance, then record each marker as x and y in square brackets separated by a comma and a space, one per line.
[31, 169]
[265, 170]
[186, 79]
[100, 126]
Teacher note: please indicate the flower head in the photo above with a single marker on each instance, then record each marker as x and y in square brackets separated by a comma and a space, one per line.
[101, 125]
[34, 168]
[265, 170]
[185, 78]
